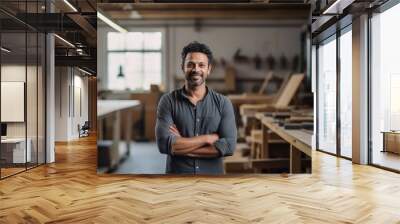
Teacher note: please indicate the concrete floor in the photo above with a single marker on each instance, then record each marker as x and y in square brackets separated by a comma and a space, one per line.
[144, 159]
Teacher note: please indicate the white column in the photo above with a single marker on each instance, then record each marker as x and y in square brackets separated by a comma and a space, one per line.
[50, 98]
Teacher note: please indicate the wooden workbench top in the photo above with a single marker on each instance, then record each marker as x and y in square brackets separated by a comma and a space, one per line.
[300, 138]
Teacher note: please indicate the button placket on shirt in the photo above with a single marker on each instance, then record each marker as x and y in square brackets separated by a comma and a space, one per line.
[196, 130]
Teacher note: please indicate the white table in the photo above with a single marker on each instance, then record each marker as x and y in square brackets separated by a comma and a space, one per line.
[112, 109]
[106, 107]
[18, 149]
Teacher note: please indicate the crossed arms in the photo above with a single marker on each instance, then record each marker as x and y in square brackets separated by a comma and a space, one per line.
[199, 146]
[170, 140]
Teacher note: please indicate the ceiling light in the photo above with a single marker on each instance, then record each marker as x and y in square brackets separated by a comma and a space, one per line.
[135, 15]
[65, 41]
[70, 5]
[111, 23]
[5, 50]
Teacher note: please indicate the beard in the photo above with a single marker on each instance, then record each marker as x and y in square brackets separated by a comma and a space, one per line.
[195, 79]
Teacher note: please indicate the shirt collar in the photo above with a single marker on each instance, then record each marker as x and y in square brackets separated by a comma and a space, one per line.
[183, 92]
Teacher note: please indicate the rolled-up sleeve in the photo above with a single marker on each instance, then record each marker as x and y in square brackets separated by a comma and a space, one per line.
[164, 137]
[227, 131]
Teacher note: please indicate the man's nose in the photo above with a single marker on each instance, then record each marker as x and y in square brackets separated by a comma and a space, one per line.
[196, 68]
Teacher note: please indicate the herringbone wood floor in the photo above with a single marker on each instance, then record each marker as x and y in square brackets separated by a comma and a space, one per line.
[70, 191]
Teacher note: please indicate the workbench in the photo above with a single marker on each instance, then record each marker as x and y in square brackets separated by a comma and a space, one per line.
[299, 140]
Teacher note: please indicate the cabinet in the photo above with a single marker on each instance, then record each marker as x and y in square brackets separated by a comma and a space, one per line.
[391, 141]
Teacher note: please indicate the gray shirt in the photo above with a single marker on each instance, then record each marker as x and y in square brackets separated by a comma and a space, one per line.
[213, 114]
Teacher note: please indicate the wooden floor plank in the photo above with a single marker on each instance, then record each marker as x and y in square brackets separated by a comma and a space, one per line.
[70, 191]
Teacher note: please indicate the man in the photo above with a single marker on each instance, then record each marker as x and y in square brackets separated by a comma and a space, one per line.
[195, 125]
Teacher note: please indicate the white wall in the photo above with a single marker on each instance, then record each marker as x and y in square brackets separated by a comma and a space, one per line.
[12, 73]
[67, 115]
[80, 103]
[61, 103]
[224, 38]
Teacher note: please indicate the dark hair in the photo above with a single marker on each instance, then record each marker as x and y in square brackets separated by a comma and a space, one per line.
[196, 47]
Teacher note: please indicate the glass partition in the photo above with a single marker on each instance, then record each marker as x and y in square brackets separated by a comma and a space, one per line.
[13, 113]
[22, 89]
[327, 95]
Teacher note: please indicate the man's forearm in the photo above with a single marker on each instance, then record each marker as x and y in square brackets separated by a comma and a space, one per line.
[207, 151]
[185, 145]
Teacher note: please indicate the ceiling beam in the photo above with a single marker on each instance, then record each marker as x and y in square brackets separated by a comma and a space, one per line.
[123, 11]
[84, 24]
[82, 61]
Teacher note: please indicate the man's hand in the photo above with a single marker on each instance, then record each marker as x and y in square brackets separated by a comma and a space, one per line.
[211, 138]
[174, 130]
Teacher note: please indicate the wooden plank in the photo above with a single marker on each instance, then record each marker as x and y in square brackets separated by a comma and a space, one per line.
[284, 97]
[238, 99]
[266, 81]
[300, 135]
[289, 91]
[295, 160]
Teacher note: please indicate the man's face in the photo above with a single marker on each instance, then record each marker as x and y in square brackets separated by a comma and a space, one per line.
[196, 68]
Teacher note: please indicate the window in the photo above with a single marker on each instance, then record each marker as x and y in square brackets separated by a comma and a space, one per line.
[385, 87]
[327, 96]
[134, 60]
[346, 93]
[333, 106]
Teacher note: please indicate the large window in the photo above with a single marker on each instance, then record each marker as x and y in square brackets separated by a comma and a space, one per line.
[134, 60]
[327, 95]
[346, 92]
[385, 88]
[335, 53]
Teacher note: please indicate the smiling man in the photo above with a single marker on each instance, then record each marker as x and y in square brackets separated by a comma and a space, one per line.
[195, 125]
